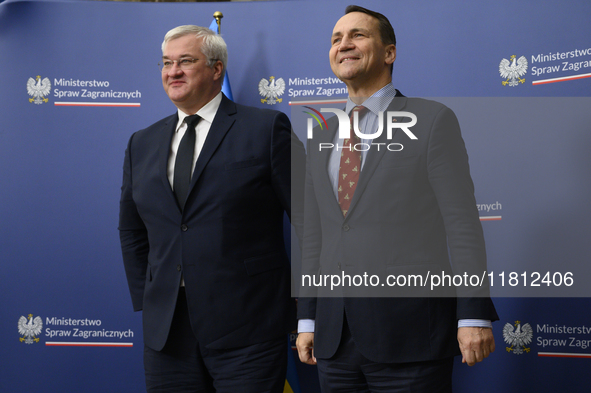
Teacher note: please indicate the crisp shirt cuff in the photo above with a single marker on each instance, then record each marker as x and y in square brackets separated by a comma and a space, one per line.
[474, 323]
[306, 326]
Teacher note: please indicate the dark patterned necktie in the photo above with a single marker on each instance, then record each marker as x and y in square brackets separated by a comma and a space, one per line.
[184, 161]
[350, 165]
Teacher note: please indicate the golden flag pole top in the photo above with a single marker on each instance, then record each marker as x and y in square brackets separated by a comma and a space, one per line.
[218, 18]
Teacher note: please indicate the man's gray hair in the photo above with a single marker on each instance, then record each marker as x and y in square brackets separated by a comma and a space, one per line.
[214, 47]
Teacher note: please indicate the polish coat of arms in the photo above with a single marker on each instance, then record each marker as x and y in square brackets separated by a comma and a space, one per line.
[518, 336]
[271, 89]
[29, 329]
[512, 70]
[38, 88]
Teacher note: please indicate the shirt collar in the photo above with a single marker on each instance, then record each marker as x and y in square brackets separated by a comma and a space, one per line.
[378, 102]
[207, 112]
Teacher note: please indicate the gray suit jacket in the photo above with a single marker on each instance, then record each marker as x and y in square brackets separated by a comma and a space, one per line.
[409, 206]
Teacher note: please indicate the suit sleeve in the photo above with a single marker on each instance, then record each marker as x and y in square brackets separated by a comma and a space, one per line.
[298, 174]
[285, 149]
[449, 176]
[133, 235]
[312, 245]
[288, 163]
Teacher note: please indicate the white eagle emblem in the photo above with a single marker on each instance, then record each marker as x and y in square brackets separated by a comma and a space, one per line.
[271, 91]
[518, 338]
[512, 70]
[30, 329]
[38, 90]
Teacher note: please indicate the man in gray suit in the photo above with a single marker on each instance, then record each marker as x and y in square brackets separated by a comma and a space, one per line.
[390, 210]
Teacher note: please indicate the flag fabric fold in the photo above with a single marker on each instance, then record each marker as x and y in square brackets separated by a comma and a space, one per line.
[226, 85]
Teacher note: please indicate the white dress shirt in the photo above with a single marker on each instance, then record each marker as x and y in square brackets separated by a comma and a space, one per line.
[207, 114]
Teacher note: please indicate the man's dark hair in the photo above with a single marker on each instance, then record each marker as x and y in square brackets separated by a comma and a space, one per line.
[386, 30]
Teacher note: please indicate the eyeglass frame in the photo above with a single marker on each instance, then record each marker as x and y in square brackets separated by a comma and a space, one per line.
[190, 66]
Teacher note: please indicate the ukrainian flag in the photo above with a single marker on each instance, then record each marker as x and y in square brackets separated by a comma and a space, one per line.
[226, 85]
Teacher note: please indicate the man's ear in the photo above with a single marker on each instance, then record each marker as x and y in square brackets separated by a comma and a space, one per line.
[390, 54]
[217, 70]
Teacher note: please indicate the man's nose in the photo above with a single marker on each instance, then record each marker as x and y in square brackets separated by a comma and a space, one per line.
[346, 43]
[175, 69]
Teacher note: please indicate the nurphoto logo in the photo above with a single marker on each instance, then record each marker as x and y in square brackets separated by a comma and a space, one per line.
[345, 128]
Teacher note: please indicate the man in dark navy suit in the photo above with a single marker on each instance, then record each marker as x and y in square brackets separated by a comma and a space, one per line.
[201, 225]
[389, 208]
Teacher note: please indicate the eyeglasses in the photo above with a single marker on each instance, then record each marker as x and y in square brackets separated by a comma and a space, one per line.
[185, 63]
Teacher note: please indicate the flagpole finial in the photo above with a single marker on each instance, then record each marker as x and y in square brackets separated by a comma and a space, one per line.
[218, 18]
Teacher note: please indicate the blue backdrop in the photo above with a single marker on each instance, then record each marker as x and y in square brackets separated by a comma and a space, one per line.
[61, 157]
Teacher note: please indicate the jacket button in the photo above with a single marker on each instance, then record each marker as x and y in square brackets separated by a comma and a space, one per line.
[178, 267]
[346, 227]
[184, 228]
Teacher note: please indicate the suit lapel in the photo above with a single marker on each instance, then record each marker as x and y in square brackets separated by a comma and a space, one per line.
[222, 122]
[164, 152]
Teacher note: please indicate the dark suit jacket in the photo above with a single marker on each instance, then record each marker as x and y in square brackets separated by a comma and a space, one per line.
[227, 243]
[408, 207]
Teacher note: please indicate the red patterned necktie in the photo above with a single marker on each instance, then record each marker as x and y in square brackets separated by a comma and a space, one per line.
[350, 165]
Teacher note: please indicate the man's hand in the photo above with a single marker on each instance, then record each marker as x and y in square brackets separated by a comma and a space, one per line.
[305, 345]
[475, 343]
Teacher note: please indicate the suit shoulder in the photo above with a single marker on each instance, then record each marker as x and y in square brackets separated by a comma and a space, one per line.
[154, 129]
[158, 125]
[426, 105]
[430, 112]
[261, 119]
[150, 136]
